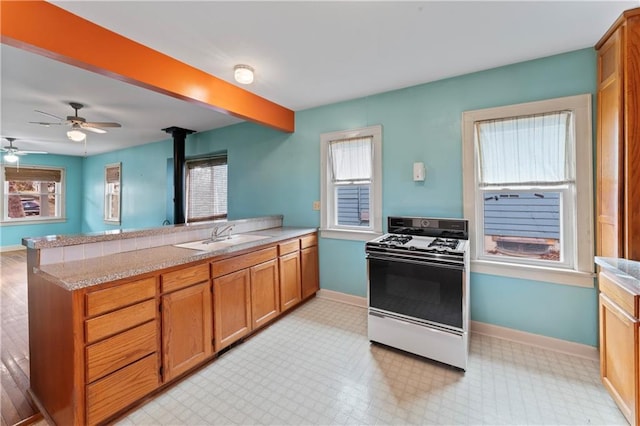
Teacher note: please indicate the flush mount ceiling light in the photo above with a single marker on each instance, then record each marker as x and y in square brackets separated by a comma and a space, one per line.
[243, 74]
[76, 135]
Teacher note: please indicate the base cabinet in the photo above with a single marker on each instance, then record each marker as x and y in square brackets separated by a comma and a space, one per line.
[232, 309]
[98, 350]
[620, 346]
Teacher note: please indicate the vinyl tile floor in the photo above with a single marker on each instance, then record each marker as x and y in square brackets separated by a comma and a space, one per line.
[316, 367]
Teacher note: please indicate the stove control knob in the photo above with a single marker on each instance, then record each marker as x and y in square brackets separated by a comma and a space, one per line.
[412, 248]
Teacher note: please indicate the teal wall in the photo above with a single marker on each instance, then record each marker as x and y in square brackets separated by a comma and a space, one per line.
[276, 173]
[11, 235]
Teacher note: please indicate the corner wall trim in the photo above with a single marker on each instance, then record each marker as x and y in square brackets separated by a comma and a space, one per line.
[531, 339]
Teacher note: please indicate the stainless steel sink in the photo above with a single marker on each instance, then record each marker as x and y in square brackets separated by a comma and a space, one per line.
[208, 245]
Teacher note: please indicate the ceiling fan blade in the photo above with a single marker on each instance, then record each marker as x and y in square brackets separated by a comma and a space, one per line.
[93, 129]
[50, 115]
[101, 124]
[44, 123]
[31, 152]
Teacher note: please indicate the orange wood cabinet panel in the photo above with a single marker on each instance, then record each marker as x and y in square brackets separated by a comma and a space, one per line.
[101, 301]
[232, 264]
[288, 247]
[114, 322]
[184, 277]
[620, 345]
[118, 390]
[618, 139]
[308, 241]
[232, 307]
[310, 271]
[120, 350]
[186, 329]
[290, 280]
[265, 293]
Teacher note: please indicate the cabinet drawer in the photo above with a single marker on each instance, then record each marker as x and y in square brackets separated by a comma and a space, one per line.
[308, 241]
[101, 301]
[117, 321]
[122, 388]
[120, 350]
[619, 295]
[184, 277]
[227, 266]
[288, 247]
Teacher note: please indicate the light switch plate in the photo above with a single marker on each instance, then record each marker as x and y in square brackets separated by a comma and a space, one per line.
[316, 205]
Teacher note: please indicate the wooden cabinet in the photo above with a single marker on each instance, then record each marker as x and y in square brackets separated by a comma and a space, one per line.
[620, 345]
[618, 139]
[265, 293]
[187, 325]
[290, 277]
[122, 347]
[309, 265]
[244, 294]
[97, 350]
[232, 307]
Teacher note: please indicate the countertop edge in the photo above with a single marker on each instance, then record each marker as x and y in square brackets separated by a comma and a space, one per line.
[627, 272]
[178, 256]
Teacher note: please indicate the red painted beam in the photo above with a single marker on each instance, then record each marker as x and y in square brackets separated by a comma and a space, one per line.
[48, 30]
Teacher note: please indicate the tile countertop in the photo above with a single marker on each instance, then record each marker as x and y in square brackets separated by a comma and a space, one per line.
[85, 273]
[627, 271]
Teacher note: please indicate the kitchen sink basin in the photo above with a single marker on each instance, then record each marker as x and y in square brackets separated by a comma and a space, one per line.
[208, 245]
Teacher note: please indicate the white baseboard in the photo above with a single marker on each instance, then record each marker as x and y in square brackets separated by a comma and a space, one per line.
[12, 248]
[349, 299]
[550, 343]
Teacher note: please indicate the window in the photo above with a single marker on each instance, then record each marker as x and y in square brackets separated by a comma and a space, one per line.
[32, 193]
[351, 169]
[206, 193]
[528, 191]
[112, 193]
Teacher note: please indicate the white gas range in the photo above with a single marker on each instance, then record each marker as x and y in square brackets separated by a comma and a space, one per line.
[419, 288]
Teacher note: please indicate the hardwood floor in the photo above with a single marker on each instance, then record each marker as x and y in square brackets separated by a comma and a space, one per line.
[16, 405]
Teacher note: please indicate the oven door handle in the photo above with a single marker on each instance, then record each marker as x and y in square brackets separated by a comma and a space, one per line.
[415, 262]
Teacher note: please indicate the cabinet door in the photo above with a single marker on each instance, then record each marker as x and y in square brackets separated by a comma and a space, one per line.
[618, 356]
[290, 291]
[610, 154]
[309, 263]
[232, 307]
[265, 293]
[186, 329]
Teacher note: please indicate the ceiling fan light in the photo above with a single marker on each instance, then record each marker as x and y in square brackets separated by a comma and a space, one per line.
[10, 157]
[243, 74]
[76, 135]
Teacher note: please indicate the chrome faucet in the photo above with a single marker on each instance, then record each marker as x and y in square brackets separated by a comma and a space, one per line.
[217, 233]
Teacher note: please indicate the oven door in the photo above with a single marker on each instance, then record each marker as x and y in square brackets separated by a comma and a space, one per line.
[417, 289]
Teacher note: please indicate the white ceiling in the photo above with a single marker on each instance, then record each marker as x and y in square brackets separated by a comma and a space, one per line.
[306, 54]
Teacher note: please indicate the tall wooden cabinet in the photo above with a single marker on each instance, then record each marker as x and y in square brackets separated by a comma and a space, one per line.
[618, 139]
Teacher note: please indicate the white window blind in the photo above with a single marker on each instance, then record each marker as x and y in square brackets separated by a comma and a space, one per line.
[526, 150]
[206, 189]
[351, 159]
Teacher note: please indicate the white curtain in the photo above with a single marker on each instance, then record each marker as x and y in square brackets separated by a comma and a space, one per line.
[527, 150]
[351, 159]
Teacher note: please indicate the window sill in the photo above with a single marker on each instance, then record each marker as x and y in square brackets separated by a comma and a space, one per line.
[32, 221]
[349, 234]
[536, 273]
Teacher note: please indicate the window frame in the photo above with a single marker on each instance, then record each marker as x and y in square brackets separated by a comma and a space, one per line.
[580, 269]
[59, 193]
[110, 192]
[328, 212]
[223, 157]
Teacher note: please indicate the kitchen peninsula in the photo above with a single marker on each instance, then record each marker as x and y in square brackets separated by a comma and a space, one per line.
[116, 316]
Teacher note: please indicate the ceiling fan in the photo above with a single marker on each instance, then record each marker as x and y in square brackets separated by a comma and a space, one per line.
[77, 123]
[12, 152]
